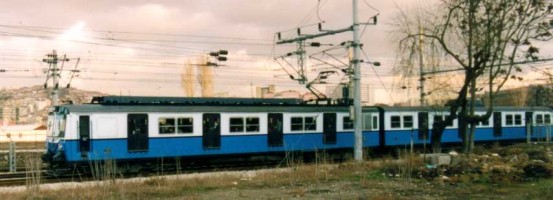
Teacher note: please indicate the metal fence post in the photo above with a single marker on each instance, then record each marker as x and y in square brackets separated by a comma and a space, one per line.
[12, 158]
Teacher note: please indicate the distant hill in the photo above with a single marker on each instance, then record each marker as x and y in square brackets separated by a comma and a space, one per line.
[29, 105]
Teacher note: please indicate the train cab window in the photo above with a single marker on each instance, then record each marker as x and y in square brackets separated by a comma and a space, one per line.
[518, 119]
[185, 125]
[310, 123]
[407, 121]
[395, 122]
[347, 123]
[236, 124]
[547, 119]
[166, 125]
[252, 124]
[61, 126]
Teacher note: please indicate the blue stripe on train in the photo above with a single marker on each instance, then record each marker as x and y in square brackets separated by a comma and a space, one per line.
[404, 137]
[192, 146]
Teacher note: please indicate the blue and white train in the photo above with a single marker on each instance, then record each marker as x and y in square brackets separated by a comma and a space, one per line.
[135, 129]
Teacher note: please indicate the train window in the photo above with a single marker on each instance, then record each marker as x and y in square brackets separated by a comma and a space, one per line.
[442, 118]
[310, 123]
[509, 120]
[547, 119]
[303, 123]
[407, 121]
[375, 123]
[518, 119]
[539, 119]
[62, 126]
[185, 125]
[395, 122]
[252, 124]
[347, 123]
[297, 124]
[366, 122]
[166, 125]
[486, 122]
[236, 124]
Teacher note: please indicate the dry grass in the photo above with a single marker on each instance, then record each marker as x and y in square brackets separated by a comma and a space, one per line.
[322, 179]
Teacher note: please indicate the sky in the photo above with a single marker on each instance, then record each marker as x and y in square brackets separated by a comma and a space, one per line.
[136, 47]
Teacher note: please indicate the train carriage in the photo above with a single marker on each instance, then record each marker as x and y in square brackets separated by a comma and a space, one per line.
[132, 129]
[120, 129]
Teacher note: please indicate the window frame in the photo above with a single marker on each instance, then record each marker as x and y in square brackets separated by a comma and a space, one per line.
[346, 120]
[175, 126]
[395, 121]
[293, 123]
[191, 125]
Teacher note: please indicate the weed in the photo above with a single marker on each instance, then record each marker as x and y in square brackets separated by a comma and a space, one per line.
[33, 168]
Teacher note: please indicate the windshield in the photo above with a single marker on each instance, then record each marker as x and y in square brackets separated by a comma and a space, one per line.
[50, 126]
[56, 125]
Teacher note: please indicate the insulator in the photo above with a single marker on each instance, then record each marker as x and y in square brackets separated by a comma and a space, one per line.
[223, 52]
[315, 44]
[222, 58]
[214, 54]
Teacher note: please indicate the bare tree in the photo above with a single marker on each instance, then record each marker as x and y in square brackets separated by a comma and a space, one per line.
[486, 39]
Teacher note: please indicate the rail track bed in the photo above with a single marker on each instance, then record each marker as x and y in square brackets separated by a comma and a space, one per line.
[42, 177]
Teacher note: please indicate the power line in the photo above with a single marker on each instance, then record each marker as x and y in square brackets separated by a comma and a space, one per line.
[138, 33]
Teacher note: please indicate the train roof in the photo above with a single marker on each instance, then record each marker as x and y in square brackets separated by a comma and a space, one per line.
[143, 100]
[99, 108]
[479, 109]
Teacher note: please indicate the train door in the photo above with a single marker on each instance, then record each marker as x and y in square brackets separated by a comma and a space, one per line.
[275, 137]
[84, 133]
[497, 129]
[423, 125]
[137, 132]
[329, 130]
[211, 124]
[529, 122]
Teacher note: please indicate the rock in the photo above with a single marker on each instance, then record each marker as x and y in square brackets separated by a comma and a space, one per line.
[438, 158]
[453, 153]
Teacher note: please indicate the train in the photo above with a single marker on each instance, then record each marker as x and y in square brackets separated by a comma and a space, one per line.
[138, 130]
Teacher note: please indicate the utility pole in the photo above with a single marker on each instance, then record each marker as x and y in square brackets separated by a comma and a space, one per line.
[355, 62]
[358, 145]
[421, 69]
[52, 60]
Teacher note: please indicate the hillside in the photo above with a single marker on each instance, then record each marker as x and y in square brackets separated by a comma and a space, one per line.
[29, 105]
